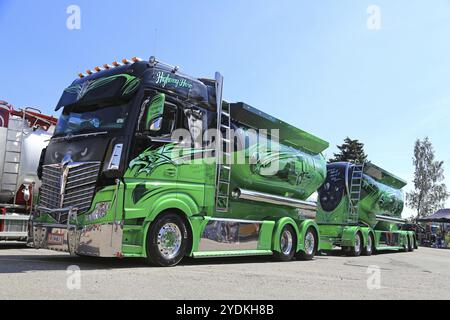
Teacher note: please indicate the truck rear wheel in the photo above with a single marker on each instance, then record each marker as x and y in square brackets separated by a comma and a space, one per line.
[288, 244]
[167, 241]
[369, 249]
[356, 249]
[406, 245]
[410, 245]
[310, 245]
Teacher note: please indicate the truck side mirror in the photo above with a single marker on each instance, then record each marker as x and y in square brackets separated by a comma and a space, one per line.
[155, 113]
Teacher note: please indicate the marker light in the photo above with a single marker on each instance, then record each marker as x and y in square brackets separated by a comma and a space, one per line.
[136, 59]
[98, 69]
[116, 64]
[89, 72]
[81, 75]
[125, 61]
[106, 66]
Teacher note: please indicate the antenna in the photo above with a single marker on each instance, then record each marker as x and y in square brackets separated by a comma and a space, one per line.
[155, 44]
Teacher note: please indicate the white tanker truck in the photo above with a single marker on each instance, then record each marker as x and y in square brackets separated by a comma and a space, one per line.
[23, 135]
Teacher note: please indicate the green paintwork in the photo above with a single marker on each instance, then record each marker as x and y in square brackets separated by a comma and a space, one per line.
[81, 89]
[381, 195]
[376, 199]
[156, 109]
[222, 254]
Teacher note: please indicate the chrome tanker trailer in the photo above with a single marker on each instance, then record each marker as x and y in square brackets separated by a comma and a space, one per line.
[359, 210]
[126, 185]
[23, 134]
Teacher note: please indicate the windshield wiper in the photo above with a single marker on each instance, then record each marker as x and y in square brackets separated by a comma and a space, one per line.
[73, 136]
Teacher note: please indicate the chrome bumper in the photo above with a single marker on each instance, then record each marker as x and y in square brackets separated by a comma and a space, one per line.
[98, 240]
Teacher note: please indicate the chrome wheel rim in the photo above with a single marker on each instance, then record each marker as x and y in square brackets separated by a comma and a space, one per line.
[369, 244]
[357, 243]
[309, 243]
[169, 240]
[286, 242]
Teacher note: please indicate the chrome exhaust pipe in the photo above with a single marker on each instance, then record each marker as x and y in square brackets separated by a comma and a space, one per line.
[391, 219]
[308, 208]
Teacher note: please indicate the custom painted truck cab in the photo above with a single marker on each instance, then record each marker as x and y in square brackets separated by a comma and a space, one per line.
[360, 210]
[148, 162]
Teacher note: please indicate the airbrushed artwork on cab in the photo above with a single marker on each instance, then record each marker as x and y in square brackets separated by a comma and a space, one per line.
[147, 162]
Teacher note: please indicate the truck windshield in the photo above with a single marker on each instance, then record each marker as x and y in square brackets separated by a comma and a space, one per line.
[94, 118]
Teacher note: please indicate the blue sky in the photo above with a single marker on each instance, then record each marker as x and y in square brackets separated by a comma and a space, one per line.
[315, 64]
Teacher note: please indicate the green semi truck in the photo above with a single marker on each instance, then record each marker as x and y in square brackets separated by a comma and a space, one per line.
[359, 210]
[149, 162]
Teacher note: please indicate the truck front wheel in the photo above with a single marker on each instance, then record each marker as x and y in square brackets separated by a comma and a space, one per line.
[167, 241]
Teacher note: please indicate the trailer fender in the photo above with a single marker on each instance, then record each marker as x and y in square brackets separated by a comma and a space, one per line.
[279, 225]
[348, 236]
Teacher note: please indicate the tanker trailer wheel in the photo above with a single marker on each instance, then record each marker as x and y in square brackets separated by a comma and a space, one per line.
[310, 245]
[410, 245]
[370, 248]
[356, 250]
[288, 244]
[167, 241]
[406, 245]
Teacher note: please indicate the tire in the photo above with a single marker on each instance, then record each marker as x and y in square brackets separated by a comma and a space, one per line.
[406, 245]
[356, 250]
[167, 241]
[288, 244]
[410, 245]
[310, 245]
[370, 248]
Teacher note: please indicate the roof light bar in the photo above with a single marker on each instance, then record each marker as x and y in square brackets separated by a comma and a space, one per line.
[107, 66]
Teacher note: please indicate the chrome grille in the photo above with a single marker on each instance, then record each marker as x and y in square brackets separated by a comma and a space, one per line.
[70, 185]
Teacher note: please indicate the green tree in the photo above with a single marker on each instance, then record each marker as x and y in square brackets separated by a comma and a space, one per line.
[350, 151]
[430, 192]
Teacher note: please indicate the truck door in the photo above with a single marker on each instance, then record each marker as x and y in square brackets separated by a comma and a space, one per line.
[152, 170]
[196, 174]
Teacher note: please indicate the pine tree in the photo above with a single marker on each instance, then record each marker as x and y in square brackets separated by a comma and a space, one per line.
[351, 151]
[429, 193]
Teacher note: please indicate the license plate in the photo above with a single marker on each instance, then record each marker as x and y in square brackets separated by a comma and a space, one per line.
[55, 238]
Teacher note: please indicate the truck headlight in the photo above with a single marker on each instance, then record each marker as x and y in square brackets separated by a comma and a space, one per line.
[100, 211]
